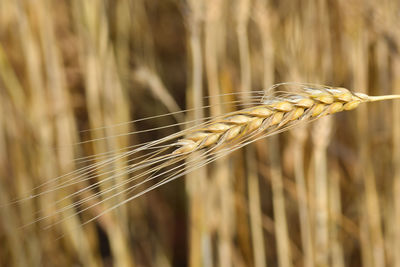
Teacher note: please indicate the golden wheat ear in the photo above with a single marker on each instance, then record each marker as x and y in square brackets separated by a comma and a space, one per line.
[278, 111]
[283, 107]
[156, 163]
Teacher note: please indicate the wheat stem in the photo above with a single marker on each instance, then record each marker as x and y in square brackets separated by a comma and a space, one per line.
[383, 97]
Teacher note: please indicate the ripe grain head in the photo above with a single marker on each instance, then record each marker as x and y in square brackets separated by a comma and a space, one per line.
[275, 113]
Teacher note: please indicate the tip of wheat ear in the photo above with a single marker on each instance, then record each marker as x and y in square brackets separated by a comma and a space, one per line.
[273, 114]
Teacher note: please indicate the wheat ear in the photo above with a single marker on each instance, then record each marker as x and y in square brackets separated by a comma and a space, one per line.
[162, 159]
[275, 114]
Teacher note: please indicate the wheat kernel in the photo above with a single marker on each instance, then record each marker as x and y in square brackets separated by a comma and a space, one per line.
[283, 106]
[233, 132]
[351, 105]
[342, 94]
[335, 107]
[261, 112]
[211, 139]
[305, 103]
[198, 136]
[276, 118]
[218, 127]
[255, 124]
[186, 146]
[297, 113]
[239, 119]
[318, 109]
[325, 98]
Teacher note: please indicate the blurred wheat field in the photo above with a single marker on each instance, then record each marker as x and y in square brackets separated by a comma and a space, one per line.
[78, 77]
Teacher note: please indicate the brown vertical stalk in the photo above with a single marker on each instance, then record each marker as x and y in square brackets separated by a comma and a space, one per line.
[264, 19]
[255, 211]
[301, 58]
[387, 205]
[17, 254]
[12, 235]
[278, 198]
[200, 238]
[335, 212]
[220, 180]
[101, 82]
[64, 124]
[123, 28]
[366, 173]
[396, 164]
[244, 9]
[359, 68]
[281, 228]
[299, 137]
[212, 30]
[321, 140]
[40, 117]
